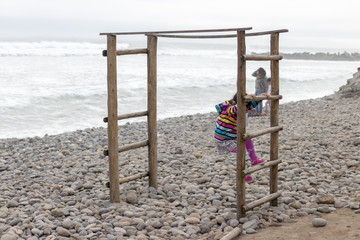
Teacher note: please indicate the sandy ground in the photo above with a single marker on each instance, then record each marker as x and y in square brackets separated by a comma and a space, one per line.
[343, 224]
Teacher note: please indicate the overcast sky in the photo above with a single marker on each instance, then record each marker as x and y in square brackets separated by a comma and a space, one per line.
[311, 23]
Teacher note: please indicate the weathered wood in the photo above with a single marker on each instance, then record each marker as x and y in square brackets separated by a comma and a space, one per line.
[151, 51]
[133, 146]
[232, 234]
[133, 177]
[262, 132]
[129, 147]
[216, 35]
[272, 97]
[261, 201]
[128, 52]
[241, 114]
[113, 122]
[171, 35]
[274, 116]
[132, 51]
[152, 108]
[179, 31]
[262, 57]
[195, 36]
[260, 166]
[165, 33]
[266, 32]
[129, 178]
[129, 115]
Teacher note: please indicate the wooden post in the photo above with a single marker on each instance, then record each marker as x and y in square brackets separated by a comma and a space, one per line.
[152, 108]
[241, 115]
[112, 120]
[274, 117]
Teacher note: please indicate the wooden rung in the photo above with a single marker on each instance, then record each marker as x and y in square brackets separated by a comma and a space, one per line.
[129, 115]
[261, 57]
[263, 200]
[129, 147]
[262, 132]
[130, 178]
[133, 177]
[127, 52]
[132, 51]
[261, 166]
[272, 97]
[133, 146]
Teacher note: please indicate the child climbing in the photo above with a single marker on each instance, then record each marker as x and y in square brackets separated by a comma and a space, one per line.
[225, 129]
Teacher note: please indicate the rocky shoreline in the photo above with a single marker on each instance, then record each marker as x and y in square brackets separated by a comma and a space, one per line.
[54, 187]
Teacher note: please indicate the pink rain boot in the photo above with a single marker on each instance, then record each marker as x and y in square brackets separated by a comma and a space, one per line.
[252, 154]
[257, 161]
[248, 178]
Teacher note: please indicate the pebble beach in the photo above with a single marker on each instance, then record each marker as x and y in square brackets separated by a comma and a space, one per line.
[54, 187]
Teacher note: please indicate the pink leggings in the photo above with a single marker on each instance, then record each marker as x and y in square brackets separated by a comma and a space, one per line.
[249, 148]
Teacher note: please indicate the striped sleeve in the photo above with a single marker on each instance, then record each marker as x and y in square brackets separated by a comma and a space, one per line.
[218, 109]
[251, 105]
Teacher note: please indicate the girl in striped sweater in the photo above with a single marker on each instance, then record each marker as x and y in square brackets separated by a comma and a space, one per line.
[225, 129]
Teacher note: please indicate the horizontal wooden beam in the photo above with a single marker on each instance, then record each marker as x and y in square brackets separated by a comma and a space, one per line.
[262, 132]
[196, 36]
[165, 33]
[178, 31]
[219, 36]
[261, 166]
[129, 147]
[272, 97]
[130, 178]
[129, 115]
[266, 32]
[261, 57]
[128, 52]
[133, 177]
[133, 146]
[261, 201]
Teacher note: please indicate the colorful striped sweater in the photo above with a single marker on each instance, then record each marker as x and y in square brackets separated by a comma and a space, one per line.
[225, 128]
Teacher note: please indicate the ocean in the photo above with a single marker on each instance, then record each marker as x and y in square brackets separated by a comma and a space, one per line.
[51, 87]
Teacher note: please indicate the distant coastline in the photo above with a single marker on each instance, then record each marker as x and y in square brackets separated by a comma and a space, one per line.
[345, 56]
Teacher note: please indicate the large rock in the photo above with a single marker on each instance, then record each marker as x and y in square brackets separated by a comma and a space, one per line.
[9, 237]
[326, 199]
[351, 88]
[319, 222]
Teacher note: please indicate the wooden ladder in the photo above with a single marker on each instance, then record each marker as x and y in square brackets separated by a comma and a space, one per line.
[112, 119]
[242, 135]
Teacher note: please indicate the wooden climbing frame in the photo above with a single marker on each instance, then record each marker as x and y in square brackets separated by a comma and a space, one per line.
[112, 119]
